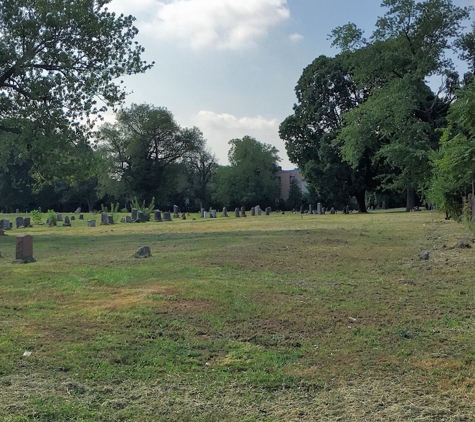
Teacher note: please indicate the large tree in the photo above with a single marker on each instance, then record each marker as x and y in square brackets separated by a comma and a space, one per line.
[59, 64]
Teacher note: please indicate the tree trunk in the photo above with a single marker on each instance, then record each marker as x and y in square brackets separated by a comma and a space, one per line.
[360, 198]
[410, 199]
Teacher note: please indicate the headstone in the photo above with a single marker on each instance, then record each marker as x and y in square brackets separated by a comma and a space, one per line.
[24, 249]
[166, 216]
[128, 219]
[157, 215]
[310, 209]
[319, 208]
[140, 217]
[257, 209]
[27, 222]
[111, 219]
[122, 220]
[17, 211]
[243, 211]
[323, 210]
[104, 219]
[6, 224]
[212, 214]
[66, 223]
[73, 218]
[78, 210]
[91, 223]
[19, 222]
[183, 216]
[205, 214]
[268, 211]
[176, 210]
[143, 252]
[202, 213]
[134, 214]
[39, 209]
[225, 212]
[332, 210]
[81, 217]
[236, 212]
[59, 217]
[253, 211]
[47, 222]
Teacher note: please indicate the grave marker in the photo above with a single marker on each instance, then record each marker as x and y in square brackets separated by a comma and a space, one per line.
[24, 249]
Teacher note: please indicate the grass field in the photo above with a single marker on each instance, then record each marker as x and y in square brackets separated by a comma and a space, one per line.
[278, 318]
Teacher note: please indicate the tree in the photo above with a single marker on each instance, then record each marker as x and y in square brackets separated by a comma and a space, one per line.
[146, 146]
[250, 178]
[59, 61]
[398, 121]
[202, 167]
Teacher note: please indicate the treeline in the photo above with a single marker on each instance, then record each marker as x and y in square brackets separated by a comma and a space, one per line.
[390, 114]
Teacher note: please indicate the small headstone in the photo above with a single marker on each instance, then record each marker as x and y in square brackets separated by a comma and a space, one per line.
[91, 223]
[78, 210]
[310, 209]
[183, 216]
[128, 219]
[81, 217]
[6, 224]
[134, 214]
[166, 216]
[104, 219]
[205, 214]
[268, 211]
[425, 255]
[202, 213]
[225, 212]
[157, 215]
[258, 210]
[212, 214]
[332, 210]
[140, 217]
[59, 217]
[66, 223]
[73, 218]
[319, 208]
[243, 211]
[323, 210]
[143, 252]
[19, 222]
[24, 249]
[111, 219]
[39, 210]
[17, 211]
[176, 210]
[253, 211]
[236, 212]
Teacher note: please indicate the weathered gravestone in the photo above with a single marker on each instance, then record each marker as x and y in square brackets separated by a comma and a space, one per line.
[183, 216]
[67, 222]
[128, 219]
[134, 214]
[104, 219]
[310, 209]
[236, 212]
[73, 218]
[202, 213]
[225, 212]
[319, 208]
[143, 252]
[81, 217]
[6, 224]
[111, 219]
[39, 210]
[253, 211]
[140, 217]
[91, 223]
[268, 210]
[176, 211]
[78, 210]
[205, 214]
[18, 211]
[166, 216]
[59, 217]
[24, 249]
[212, 213]
[323, 210]
[19, 222]
[243, 211]
[332, 210]
[27, 222]
[157, 215]
[257, 209]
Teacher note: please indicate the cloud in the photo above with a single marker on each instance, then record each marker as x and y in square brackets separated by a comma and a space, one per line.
[219, 129]
[221, 24]
[295, 37]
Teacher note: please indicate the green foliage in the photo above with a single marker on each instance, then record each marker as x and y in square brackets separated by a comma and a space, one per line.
[295, 196]
[53, 221]
[36, 216]
[147, 210]
[114, 209]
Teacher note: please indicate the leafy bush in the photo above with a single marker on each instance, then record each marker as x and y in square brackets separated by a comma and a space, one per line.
[113, 211]
[36, 216]
[52, 218]
[147, 211]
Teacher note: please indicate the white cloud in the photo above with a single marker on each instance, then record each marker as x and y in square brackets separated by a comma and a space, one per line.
[219, 129]
[222, 24]
[295, 37]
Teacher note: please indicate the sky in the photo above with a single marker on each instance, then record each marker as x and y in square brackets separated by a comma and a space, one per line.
[230, 67]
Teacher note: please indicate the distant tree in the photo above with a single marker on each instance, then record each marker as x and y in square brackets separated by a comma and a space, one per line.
[250, 178]
[295, 195]
[202, 166]
[59, 62]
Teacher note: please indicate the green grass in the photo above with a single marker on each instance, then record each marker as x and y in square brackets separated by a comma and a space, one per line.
[326, 318]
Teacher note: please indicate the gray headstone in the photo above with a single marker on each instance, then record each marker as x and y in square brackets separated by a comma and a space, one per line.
[225, 212]
[6, 224]
[212, 214]
[257, 210]
[39, 209]
[66, 223]
[140, 217]
[183, 216]
[27, 222]
[332, 210]
[78, 210]
[157, 215]
[24, 249]
[73, 218]
[128, 219]
[17, 211]
[81, 217]
[91, 223]
[166, 216]
[243, 211]
[104, 219]
[323, 210]
[205, 214]
[319, 208]
[176, 210]
[134, 214]
[19, 222]
[202, 213]
[111, 219]
[310, 209]
[236, 212]
[268, 211]
[143, 252]
[253, 211]
[59, 217]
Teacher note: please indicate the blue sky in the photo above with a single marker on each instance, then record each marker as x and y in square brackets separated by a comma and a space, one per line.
[230, 67]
